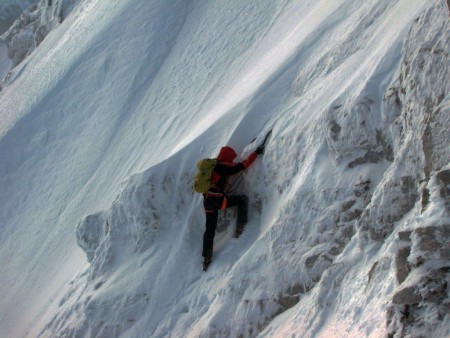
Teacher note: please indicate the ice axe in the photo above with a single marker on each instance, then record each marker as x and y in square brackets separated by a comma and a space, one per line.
[237, 181]
[260, 148]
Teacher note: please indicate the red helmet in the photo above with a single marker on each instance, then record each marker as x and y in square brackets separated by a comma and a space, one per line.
[226, 154]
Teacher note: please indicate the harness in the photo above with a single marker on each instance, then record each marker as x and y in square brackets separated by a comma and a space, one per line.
[216, 195]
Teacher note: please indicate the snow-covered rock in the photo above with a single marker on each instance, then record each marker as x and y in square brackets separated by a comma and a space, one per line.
[33, 25]
[10, 10]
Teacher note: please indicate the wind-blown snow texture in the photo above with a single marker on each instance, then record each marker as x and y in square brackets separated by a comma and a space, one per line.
[103, 121]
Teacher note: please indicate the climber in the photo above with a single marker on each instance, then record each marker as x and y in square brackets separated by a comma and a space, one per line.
[216, 199]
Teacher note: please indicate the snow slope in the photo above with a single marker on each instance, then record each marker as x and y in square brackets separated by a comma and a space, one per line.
[101, 127]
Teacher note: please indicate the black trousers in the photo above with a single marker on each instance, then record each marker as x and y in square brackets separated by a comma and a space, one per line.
[212, 206]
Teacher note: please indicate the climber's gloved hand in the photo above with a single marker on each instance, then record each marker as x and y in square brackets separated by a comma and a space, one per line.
[259, 150]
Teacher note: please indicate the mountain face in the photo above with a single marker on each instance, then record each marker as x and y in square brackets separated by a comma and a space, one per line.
[10, 10]
[32, 26]
[104, 120]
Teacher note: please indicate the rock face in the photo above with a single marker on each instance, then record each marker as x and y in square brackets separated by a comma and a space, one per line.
[422, 262]
[413, 139]
[10, 10]
[444, 183]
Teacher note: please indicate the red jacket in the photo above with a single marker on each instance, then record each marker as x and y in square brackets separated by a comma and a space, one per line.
[225, 168]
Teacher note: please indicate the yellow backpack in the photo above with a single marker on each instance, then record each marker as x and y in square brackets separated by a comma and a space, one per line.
[202, 181]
